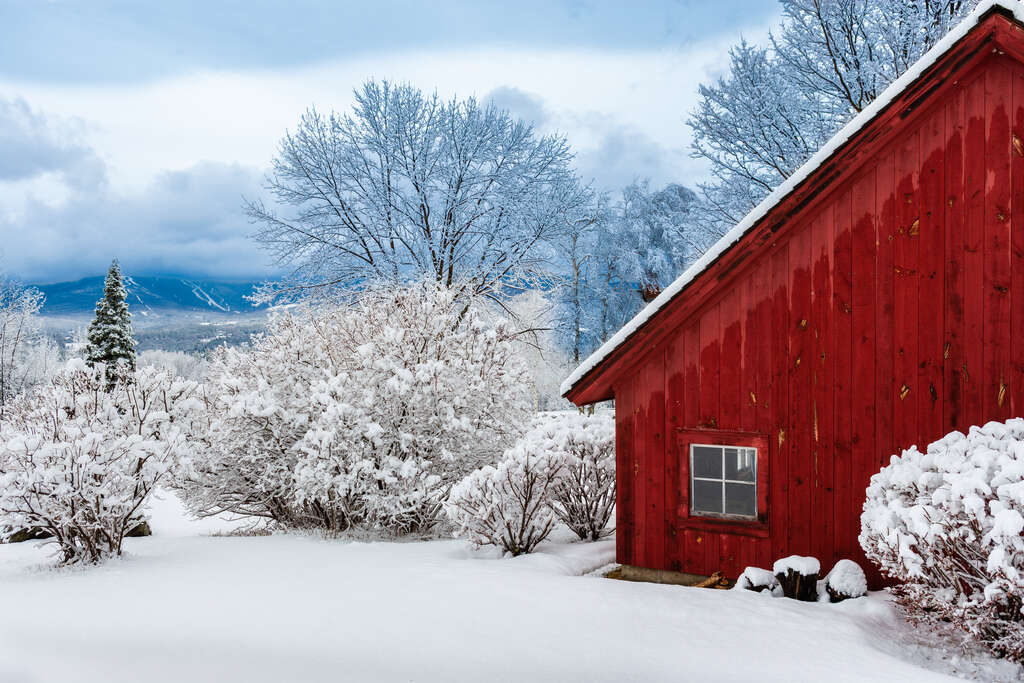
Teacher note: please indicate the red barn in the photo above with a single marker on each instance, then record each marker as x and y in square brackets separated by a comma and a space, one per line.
[873, 302]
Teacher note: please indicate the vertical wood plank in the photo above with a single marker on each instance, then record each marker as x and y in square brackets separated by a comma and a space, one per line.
[710, 332]
[639, 470]
[954, 358]
[761, 337]
[624, 459]
[748, 370]
[778, 439]
[675, 398]
[693, 555]
[863, 380]
[731, 362]
[905, 307]
[886, 386]
[931, 318]
[973, 248]
[822, 441]
[800, 394]
[1017, 246]
[996, 325]
[710, 407]
[654, 389]
[842, 310]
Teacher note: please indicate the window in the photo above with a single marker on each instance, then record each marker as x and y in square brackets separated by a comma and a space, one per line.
[723, 481]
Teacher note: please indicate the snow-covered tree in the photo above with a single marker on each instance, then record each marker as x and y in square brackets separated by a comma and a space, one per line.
[507, 504]
[79, 458]
[110, 337]
[756, 126]
[778, 105]
[655, 237]
[361, 414]
[948, 523]
[19, 308]
[534, 314]
[407, 185]
[848, 51]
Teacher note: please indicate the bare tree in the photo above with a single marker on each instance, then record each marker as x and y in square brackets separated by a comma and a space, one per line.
[407, 185]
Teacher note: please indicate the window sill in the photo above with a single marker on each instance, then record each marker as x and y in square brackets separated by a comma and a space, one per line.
[723, 525]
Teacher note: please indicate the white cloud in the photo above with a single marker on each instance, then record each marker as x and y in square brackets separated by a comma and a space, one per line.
[622, 111]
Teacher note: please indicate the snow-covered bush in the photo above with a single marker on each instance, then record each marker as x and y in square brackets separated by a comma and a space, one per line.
[948, 524]
[508, 504]
[583, 497]
[181, 364]
[79, 461]
[562, 468]
[362, 413]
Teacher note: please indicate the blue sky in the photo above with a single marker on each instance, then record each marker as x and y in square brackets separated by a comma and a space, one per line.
[133, 129]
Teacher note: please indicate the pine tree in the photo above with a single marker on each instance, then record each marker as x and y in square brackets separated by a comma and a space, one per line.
[110, 337]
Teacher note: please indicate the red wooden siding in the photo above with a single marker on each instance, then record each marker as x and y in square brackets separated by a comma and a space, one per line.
[882, 314]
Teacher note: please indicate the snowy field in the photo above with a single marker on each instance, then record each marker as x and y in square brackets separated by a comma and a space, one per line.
[186, 606]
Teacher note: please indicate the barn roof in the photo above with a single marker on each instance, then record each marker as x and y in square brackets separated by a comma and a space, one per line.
[588, 367]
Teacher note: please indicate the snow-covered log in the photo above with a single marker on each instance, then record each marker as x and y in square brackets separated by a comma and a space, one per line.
[845, 581]
[798, 577]
[757, 580]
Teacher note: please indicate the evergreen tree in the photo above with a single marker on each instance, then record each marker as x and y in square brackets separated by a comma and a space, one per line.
[110, 337]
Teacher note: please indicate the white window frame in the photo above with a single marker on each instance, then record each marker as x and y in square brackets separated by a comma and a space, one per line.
[723, 481]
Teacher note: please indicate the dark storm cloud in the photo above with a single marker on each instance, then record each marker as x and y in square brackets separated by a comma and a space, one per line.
[31, 145]
[186, 222]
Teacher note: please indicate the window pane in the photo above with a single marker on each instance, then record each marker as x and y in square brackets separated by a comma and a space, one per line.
[707, 462]
[706, 497]
[741, 499]
[739, 464]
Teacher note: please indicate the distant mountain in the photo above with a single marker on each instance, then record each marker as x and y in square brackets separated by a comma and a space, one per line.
[151, 296]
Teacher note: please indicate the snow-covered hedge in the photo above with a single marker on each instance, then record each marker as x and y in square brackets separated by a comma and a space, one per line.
[562, 468]
[948, 524]
[79, 461]
[584, 495]
[362, 414]
[507, 505]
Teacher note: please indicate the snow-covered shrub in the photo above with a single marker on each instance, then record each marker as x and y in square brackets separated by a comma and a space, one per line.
[362, 413]
[507, 504]
[181, 364]
[948, 524]
[845, 581]
[562, 468]
[583, 497]
[79, 461]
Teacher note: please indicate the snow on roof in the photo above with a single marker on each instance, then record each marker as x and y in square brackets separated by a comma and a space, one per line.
[1016, 7]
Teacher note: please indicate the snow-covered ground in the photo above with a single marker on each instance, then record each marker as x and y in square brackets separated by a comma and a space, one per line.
[186, 607]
